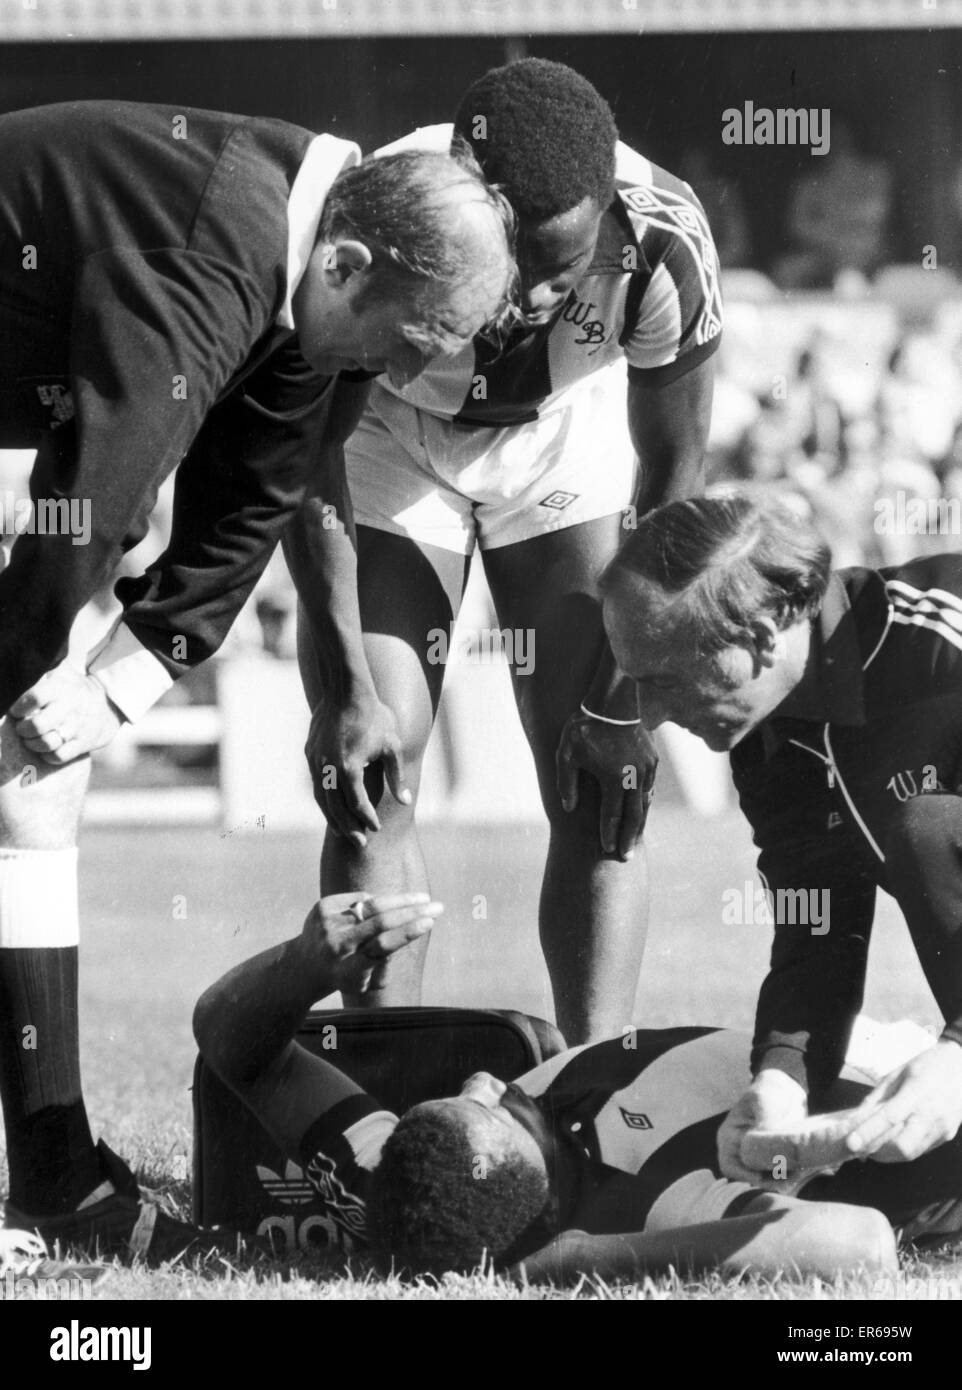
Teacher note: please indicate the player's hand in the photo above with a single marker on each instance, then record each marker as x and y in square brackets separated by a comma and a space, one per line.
[341, 743]
[622, 759]
[353, 935]
[562, 1259]
[773, 1101]
[916, 1108]
[65, 715]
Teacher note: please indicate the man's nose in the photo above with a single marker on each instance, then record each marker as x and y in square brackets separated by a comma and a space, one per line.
[544, 297]
[401, 372]
[485, 1088]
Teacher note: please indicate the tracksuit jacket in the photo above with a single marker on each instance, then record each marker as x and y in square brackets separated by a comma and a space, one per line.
[876, 721]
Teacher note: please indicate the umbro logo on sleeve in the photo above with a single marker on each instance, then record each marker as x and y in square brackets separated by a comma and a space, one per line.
[634, 1119]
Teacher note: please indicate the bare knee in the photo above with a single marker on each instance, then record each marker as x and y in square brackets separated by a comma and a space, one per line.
[40, 805]
[856, 1239]
[919, 824]
[877, 1240]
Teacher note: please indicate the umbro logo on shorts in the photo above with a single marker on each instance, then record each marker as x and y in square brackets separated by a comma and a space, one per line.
[634, 1120]
[558, 500]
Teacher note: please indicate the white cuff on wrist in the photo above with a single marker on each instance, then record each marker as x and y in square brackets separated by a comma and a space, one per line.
[603, 718]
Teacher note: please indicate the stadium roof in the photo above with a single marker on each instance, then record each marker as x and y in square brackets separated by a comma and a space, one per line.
[26, 20]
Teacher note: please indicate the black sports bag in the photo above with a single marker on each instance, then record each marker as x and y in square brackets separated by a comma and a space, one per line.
[401, 1055]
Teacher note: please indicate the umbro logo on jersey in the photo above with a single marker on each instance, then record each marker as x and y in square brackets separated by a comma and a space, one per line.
[558, 500]
[634, 1119]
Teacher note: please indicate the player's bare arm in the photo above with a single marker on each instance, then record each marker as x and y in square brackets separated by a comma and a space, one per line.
[669, 429]
[245, 1022]
[350, 726]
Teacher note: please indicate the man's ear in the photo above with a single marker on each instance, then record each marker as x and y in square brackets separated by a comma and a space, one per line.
[767, 635]
[343, 258]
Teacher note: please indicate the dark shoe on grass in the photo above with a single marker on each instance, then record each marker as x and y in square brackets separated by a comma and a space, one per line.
[123, 1224]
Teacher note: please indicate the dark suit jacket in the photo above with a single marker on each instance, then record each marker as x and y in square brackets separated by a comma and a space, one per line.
[141, 276]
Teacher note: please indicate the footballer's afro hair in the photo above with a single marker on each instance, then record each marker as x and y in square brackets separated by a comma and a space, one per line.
[543, 134]
[436, 1206]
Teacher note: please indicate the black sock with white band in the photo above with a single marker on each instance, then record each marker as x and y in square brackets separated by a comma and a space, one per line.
[51, 1155]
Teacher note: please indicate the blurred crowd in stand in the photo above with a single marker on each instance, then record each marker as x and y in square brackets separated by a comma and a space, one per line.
[857, 412]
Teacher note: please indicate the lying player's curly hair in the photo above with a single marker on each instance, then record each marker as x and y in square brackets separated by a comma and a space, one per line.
[713, 566]
[543, 134]
[437, 1206]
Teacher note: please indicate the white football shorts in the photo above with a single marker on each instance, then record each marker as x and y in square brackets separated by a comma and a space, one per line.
[447, 485]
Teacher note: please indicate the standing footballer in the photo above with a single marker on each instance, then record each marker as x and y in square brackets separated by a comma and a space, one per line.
[539, 448]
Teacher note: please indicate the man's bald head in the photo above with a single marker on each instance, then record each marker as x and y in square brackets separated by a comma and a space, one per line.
[430, 222]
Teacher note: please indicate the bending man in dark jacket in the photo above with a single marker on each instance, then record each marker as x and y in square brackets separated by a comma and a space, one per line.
[176, 287]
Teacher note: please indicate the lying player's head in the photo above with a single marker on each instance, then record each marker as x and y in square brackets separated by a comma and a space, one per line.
[414, 256]
[543, 134]
[708, 605]
[460, 1180]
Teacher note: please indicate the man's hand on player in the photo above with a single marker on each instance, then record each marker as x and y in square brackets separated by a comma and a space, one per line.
[353, 935]
[65, 716]
[341, 743]
[916, 1108]
[773, 1101]
[622, 759]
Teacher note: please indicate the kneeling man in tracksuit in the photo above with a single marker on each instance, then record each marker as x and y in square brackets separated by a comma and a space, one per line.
[840, 698]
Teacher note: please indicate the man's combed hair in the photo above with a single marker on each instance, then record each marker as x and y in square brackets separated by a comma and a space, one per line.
[437, 1206]
[543, 134]
[715, 565]
[399, 206]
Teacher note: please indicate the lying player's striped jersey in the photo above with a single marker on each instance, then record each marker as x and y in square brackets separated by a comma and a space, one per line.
[647, 1104]
[637, 1117]
[651, 296]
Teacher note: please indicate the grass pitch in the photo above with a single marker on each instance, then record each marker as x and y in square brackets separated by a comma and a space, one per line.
[164, 912]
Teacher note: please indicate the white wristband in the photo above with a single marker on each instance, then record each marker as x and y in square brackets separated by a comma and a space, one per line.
[603, 718]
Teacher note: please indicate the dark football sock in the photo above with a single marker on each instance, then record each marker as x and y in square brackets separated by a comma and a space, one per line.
[51, 1155]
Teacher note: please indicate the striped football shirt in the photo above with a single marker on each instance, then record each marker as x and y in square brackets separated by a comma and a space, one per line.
[651, 296]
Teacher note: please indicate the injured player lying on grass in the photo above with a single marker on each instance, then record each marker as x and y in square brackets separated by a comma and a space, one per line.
[602, 1159]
